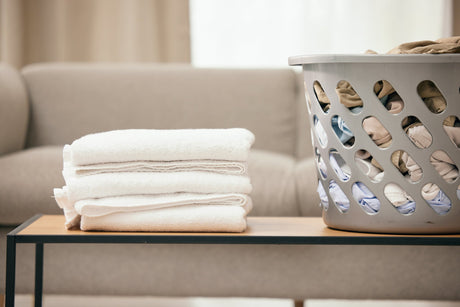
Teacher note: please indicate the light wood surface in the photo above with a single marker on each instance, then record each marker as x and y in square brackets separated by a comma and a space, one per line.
[257, 227]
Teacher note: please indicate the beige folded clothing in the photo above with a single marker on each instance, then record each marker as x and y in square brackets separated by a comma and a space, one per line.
[440, 46]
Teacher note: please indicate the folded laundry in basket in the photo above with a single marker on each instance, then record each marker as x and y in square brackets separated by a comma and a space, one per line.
[369, 169]
[366, 199]
[109, 205]
[439, 159]
[347, 95]
[453, 133]
[440, 203]
[138, 183]
[377, 132]
[341, 129]
[324, 201]
[339, 198]
[161, 145]
[202, 218]
[402, 201]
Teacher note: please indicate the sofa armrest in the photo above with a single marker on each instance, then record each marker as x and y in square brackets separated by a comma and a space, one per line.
[14, 110]
[306, 183]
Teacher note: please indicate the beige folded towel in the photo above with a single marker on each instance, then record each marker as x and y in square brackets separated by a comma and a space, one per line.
[192, 218]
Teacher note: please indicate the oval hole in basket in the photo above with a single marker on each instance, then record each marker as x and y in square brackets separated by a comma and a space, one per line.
[406, 165]
[365, 198]
[319, 131]
[320, 164]
[444, 165]
[377, 132]
[338, 197]
[321, 97]
[388, 96]
[436, 198]
[399, 198]
[341, 130]
[338, 164]
[431, 96]
[324, 201]
[369, 165]
[451, 125]
[417, 132]
[349, 97]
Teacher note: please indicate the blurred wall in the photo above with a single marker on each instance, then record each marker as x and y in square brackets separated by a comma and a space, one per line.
[94, 30]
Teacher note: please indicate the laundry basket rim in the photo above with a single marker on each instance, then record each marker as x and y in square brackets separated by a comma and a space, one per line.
[372, 58]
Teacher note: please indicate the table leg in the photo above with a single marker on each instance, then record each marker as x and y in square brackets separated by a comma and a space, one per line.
[10, 271]
[38, 274]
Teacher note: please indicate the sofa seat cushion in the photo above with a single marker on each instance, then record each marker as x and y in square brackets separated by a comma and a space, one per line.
[29, 176]
[306, 182]
[273, 182]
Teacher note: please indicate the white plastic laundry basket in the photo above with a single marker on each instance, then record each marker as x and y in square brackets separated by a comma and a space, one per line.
[406, 74]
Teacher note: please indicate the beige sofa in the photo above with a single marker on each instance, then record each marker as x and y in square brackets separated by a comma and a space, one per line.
[48, 105]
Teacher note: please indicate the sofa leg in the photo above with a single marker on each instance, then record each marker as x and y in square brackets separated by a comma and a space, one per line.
[2, 300]
[298, 303]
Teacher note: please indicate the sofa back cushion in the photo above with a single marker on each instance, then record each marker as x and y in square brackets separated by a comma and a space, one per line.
[71, 100]
[14, 110]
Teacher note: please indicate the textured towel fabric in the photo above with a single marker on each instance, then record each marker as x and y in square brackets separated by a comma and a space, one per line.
[222, 167]
[157, 180]
[109, 205]
[138, 183]
[161, 145]
[199, 218]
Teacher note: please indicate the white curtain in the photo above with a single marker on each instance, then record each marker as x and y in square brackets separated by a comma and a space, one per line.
[266, 32]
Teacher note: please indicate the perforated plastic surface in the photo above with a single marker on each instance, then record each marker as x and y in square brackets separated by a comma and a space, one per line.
[405, 73]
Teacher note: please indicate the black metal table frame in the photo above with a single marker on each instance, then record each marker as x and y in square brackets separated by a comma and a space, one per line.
[14, 238]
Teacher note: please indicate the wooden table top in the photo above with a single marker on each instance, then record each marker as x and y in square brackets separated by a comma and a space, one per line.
[262, 230]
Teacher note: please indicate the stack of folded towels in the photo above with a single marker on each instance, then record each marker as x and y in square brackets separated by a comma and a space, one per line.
[158, 180]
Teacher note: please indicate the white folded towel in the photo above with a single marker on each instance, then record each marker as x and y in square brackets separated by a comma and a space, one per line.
[110, 205]
[193, 218]
[139, 183]
[161, 145]
[217, 166]
[72, 218]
